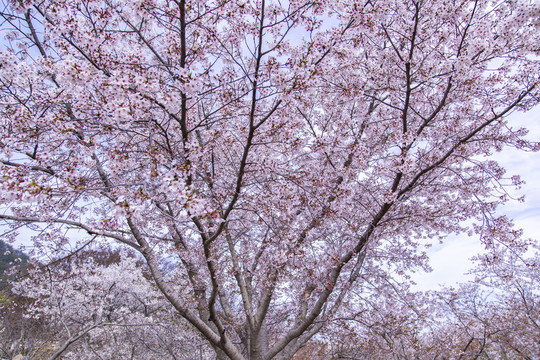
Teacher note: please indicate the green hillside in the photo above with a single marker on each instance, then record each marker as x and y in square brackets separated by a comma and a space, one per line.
[10, 257]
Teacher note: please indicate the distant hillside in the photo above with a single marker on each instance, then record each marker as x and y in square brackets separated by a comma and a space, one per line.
[10, 257]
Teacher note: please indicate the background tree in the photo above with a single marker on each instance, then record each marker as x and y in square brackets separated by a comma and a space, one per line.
[497, 315]
[286, 155]
[493, 316]
[99, 302]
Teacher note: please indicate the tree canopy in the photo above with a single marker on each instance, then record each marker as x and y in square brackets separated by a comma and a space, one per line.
[278, 165]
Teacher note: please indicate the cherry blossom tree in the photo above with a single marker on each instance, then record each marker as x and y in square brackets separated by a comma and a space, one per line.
[284, 156]
[477, 323]
[91, 307]
[493, 316]
[497, 315]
